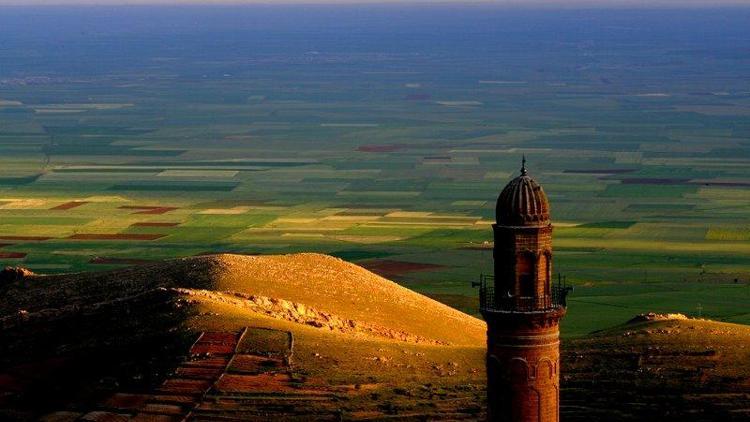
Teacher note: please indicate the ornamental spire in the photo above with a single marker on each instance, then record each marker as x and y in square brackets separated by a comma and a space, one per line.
[523, 166]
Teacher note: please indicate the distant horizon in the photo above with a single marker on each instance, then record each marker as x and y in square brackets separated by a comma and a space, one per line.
[561, 4]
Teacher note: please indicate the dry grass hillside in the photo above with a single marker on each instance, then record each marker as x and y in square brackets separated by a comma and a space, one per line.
[311, 337]
[316, 282]
[352, 331]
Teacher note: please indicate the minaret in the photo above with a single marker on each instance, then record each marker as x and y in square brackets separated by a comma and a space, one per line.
[522, 309]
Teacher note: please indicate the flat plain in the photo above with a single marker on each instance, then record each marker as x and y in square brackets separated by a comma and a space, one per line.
[264, 135]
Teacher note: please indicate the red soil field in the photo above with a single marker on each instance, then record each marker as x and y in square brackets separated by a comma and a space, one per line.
[256, 383]
[213, 349]
[12, 255]
[26, 238]
[148, 209]
[162, 210]
[127, 401]
[147, 224]
[379, 148]
[387, 267]
[69, 205]
[185, 386]
[124, 261]
[198, 373]
[116, 236]
[219, 362]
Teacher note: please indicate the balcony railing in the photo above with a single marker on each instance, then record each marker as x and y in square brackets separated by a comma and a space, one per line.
[490, 301]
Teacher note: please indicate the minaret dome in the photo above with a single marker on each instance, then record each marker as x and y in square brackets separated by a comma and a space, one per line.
[522, 202]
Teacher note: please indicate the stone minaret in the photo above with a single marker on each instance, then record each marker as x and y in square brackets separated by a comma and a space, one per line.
[522, 309]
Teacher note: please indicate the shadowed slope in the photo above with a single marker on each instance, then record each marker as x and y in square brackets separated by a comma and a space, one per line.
[668, 368]
[321, 282]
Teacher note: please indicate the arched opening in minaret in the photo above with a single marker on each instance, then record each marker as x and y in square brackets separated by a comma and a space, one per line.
[544, 275]
[525, 270]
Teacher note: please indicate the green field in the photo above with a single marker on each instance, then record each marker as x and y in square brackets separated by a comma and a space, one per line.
[391, 157]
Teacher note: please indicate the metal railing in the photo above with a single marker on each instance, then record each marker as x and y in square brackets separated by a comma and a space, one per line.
[490, 301]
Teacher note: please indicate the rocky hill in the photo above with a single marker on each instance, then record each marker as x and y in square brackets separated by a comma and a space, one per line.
[352, 333]
[311, 337]
[668, 367]
[308, 288]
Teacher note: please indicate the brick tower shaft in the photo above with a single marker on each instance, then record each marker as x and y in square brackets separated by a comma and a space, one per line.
[522, 309]
[523, 366]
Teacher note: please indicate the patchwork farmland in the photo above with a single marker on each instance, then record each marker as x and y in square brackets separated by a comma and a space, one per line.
[391, 160]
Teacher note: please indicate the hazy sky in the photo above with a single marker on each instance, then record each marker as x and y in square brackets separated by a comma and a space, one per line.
[566, 3]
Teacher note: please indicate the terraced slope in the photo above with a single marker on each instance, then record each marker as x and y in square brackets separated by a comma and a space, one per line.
[363, 346]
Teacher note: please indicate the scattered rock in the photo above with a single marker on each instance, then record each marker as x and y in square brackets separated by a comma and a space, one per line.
[652, 316]
[303, 314]
[14, 274]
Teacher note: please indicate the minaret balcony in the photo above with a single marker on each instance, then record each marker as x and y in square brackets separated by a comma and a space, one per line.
[490, 301]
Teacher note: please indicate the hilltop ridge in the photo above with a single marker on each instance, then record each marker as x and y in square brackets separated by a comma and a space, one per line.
[309, 281]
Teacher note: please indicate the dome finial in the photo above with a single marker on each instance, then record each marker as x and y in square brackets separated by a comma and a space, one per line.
[523, 166]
